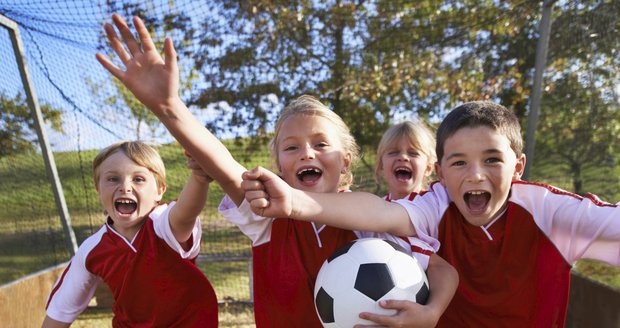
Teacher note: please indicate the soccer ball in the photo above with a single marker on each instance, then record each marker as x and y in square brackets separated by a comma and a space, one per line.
[360, 274]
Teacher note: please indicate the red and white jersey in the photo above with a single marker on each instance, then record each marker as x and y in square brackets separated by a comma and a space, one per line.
[287, 256]
[420, 249]
[515, 271]
[155, 282]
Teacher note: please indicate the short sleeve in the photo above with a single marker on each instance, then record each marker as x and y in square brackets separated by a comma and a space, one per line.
[256, 227]
[76, 286]
[161, 224]
[425, 212]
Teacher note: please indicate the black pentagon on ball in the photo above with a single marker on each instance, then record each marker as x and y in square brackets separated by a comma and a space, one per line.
[397, 246]
[374, 280]
[340, 251]
[325, 306]
[422, 295]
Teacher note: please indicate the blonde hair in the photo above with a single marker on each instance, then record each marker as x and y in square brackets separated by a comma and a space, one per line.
[139, 152]
[419, 135]
[308, 105]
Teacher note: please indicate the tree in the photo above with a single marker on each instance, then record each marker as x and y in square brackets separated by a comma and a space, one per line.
[372, 61]
[17, 134]
[581, 126]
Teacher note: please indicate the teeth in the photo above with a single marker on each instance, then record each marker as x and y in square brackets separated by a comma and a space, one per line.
[406, 169]
[125, 201]
[313, 170]
[476, 192]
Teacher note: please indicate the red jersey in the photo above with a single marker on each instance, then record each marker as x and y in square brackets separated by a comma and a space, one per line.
[154, 281]
[287, 256]
[515, 271]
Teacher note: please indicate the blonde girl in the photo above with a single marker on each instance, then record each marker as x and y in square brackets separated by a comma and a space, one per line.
[405, 158]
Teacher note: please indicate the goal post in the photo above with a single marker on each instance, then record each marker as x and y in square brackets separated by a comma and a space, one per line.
[35, 111]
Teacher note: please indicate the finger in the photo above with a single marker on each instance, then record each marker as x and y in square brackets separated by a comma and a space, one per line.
[397, 304]
[250, 185]
[259, 205]
[170, 54]
[256, 194]
[143, 34]
[381, 320]
[251, 175]
[113, 69]
[192, 164]
[127, 35]
[116, 43]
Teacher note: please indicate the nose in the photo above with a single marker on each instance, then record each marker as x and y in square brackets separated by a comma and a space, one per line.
[307, 152]
[475, 173]
[125, 187]
[403, 156]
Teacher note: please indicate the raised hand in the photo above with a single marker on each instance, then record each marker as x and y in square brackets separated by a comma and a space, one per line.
[267, 193]
[153, 80]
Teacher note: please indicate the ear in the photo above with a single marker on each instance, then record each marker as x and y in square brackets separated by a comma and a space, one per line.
[429, 169]
[439, 173]
[160, 192]
[346, 162]
[519, 168]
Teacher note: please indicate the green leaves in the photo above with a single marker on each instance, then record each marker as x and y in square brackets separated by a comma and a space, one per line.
[17, 125]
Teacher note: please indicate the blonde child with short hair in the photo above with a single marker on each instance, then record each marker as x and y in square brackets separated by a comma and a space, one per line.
[144, 252]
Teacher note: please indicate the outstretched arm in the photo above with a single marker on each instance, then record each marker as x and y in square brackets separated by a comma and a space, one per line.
[443, 280]
[270, 196]
[190, 202]
[155, 82]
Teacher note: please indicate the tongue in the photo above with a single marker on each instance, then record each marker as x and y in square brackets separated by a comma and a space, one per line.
[310, 177]
[403, 176]
[477, 202]
[126, 208]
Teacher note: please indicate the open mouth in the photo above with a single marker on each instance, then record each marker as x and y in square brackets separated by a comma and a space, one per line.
[477, 201]
[125, 206]
[309, 175]
[402, 174]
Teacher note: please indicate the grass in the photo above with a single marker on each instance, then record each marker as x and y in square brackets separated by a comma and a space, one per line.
[239, 315]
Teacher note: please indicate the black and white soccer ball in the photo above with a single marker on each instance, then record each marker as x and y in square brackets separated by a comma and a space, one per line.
[360, 274]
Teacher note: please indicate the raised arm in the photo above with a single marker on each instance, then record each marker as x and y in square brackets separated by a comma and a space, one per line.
[155, 82]
[270, 196]
[190, 203]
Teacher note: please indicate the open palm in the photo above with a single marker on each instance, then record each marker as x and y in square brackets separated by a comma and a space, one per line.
[153, 80]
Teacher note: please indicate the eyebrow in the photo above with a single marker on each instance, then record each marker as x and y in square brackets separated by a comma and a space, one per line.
[486, 152]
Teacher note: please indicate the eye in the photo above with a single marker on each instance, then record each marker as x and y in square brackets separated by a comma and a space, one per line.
[111, 179]
[458, 163]
[139, 179]
[413, 153]
[393, 152]
[289, 148]
[493, 160]
[322, 145]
